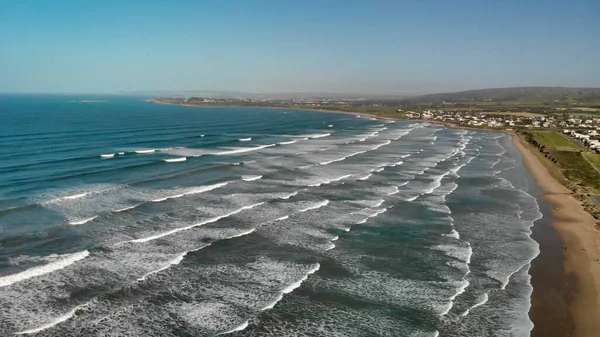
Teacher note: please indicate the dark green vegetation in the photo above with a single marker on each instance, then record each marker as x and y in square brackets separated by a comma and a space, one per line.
[554, 141]
[567, 163]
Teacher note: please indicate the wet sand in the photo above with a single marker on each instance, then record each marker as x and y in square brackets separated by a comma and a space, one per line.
[573, 298]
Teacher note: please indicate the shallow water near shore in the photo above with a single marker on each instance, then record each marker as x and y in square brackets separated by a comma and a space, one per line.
[131, 218]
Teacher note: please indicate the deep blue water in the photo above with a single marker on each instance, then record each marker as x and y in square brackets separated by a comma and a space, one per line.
[127, 218]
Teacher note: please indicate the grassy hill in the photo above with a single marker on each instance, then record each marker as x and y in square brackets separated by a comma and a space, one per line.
[549, 95]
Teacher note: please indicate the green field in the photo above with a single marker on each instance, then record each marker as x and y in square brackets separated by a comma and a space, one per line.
[594, 158]
[570, 161]
[554, 141]
[578, 171]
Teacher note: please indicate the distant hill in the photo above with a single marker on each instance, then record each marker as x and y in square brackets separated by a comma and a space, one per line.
[522, 94]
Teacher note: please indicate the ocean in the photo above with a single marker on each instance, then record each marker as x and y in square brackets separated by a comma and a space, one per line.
[128, 218]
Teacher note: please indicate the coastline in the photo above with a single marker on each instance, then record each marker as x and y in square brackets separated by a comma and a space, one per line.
[581, 248]
[365, 114]
[565, 299]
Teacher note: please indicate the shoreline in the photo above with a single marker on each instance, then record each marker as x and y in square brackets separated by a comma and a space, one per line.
[565, 299]
[580, 251]
[364, 114]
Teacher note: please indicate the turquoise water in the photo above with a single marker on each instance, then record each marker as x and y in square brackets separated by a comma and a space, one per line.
[127, 218]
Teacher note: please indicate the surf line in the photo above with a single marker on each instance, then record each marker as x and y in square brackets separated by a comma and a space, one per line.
[57, 321]
[176, 230]
[278, 298]
[65, 261]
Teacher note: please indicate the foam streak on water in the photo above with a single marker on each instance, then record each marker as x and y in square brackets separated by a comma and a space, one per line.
[176, 230]
[61, 262]
[181, 221]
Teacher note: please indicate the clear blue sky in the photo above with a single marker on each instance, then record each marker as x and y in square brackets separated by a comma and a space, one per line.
[290, 46]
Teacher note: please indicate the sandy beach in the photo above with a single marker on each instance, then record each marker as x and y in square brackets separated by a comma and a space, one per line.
[581, 246]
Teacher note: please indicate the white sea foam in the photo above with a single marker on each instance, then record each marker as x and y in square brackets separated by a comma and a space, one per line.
[121, 153]
[507, 280]
[330, 246]
[271, 304]
[76, 196]
[378, 212]
[240, 327]
[243, 150]
[289, 288]
[338, 179]
[206, 188]
[319, 135]
[297, 284]
[176, 230]
[411, 198]
[288, 142]
[330, 125]
[81, 222]
[110, 155]
[126, 208]
[242, 233]
[169, 197]
[193, 191]
[315, 206]
[396, 190]
[251, 178]
[469, 255]
[453, 234]
[365, 177]
[378, 203]
[56, 321]
[461, 289]
[175, 160]
[61, 262]
[481, 300]
[145, 151]
[458, 252]
[287, 196]
[437, 182]
[173, 262]
[387, 142]
[245, 139]
[330, 181]
[340, 159]
[282, 218]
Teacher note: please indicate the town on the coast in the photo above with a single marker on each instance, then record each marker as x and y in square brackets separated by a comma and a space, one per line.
[561, 125]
